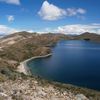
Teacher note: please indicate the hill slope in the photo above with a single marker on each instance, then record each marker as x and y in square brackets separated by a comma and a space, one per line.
[89, 36]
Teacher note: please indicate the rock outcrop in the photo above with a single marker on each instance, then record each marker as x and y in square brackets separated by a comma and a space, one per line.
[31, 89]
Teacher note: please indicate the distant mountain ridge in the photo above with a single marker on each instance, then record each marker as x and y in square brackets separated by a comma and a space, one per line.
[89, 36]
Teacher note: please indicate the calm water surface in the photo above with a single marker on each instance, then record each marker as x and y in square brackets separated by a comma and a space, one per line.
[72, 62]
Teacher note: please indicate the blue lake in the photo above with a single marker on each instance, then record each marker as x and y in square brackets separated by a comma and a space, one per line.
[73, 62]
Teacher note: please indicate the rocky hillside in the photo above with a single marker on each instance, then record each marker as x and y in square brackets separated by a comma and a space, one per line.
[17, 47]
[20, 46]
[35, 88]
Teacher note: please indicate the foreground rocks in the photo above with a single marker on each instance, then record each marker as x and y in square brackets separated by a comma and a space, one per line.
[30, 89]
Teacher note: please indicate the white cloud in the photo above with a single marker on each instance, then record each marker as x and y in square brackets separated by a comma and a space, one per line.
[78, 29]
[6, 30]
[74, 11]
[10, 18]
[16, 2]
[30, 31]
[81, 11]
[51, 12]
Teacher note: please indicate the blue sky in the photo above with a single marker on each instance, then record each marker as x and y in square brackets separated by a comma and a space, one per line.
[62, 16]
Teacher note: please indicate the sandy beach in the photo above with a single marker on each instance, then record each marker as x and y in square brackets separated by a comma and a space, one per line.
[23, 68]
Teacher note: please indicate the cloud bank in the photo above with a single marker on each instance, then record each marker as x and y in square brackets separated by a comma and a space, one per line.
[51, 12]
[6, 30]
[67, 29]
[78, 29]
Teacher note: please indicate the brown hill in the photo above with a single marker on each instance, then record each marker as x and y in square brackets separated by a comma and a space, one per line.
[88, 36]
[23, 45]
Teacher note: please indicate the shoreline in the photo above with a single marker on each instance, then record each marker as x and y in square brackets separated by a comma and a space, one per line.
[23, 68]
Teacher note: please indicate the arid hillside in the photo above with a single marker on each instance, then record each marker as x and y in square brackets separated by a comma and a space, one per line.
[20, 46]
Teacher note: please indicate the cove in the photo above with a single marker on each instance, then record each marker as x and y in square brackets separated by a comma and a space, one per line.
[74, 62]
